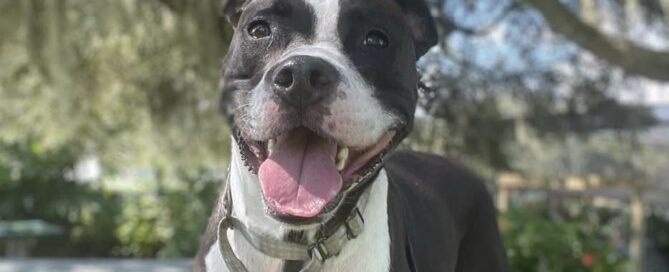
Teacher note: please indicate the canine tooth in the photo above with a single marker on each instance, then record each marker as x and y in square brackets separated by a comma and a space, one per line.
[341, 165]
[343, 153]
[342, 156]
[270, 145]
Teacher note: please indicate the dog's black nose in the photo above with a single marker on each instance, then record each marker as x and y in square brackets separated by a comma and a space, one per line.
[302, 81]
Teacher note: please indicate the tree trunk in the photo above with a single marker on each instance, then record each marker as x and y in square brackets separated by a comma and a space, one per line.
[638, 230]
[56, 49]
[47, 25]
[36, 34]
[664, 5]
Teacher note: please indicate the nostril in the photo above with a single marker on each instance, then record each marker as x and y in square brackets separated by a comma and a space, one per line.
[284, 78]
[320, 79]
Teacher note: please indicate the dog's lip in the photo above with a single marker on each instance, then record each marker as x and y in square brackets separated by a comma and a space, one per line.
[262, 143]
[320, 132]
[363, 156]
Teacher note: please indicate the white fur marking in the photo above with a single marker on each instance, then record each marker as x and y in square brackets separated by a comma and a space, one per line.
[327, 19]
[357, 118]
[214, 261]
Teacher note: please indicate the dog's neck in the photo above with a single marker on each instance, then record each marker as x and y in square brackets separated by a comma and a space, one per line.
[249, 209]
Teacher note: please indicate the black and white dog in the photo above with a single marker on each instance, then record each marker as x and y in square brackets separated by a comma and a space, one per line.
[317, 93]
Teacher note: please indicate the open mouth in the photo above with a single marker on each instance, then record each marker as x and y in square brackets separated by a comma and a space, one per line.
[303, 174]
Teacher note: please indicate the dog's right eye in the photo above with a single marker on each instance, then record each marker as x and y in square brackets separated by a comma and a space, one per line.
[259, 29]
[376, 39]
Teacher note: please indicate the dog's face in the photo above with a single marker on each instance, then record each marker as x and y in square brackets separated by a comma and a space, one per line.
[317, 91]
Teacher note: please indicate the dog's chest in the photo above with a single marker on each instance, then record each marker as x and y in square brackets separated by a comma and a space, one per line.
[369, 252]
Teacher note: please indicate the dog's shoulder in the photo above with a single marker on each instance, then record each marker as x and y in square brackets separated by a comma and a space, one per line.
[435, 178]
[448, 213]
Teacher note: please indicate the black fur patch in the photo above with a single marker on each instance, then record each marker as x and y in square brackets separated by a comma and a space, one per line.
[244, 65]
[391, 71]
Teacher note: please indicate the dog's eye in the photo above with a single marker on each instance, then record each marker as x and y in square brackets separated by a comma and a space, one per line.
[259, 29]
[376, 39]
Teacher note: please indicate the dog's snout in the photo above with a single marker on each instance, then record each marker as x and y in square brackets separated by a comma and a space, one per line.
[303, 81]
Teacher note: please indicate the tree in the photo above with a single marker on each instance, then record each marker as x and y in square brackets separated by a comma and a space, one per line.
[633, 58]
[130, 83]
[134, 80]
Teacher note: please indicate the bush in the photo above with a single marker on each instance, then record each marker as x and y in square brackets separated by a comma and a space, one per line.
[38, 184]
[168, 223]
[658, 232]
[536, 243]
[161, 222]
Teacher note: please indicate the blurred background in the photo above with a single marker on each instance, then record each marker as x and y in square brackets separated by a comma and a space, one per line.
[111, 144]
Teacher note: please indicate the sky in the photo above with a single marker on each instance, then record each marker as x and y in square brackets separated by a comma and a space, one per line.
[656, 94]
[662, 113]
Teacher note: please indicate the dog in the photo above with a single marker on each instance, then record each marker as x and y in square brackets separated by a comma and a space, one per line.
[318, 94]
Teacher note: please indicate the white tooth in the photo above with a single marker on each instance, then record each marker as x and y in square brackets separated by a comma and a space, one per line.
[343, 153]
[341, 165]
[342, 156]
[270, 146]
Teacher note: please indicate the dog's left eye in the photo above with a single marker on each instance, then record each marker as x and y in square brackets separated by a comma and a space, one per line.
[259, 29]
[376, 39]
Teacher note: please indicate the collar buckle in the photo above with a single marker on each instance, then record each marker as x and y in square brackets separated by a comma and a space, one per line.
[355, 224]
[320, 253]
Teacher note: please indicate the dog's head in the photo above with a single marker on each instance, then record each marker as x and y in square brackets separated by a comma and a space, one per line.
[317, 91]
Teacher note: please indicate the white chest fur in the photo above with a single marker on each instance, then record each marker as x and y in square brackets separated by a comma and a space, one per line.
[369, 252]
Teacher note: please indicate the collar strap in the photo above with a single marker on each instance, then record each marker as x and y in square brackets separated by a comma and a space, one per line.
[347, 224]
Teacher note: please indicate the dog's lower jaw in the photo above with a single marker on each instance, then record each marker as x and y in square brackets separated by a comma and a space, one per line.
[368, 252]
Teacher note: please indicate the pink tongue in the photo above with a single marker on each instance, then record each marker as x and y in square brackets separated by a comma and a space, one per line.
[300, 177]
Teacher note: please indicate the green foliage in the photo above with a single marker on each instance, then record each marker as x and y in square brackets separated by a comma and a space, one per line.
[133, 81]
[39, 184]
[169, 222]
[536, 243]
[143, 227]
[165, 222]
[658, 232]
[132, 84]
[188, 212]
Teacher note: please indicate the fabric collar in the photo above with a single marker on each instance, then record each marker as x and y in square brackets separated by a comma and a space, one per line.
[345, 225]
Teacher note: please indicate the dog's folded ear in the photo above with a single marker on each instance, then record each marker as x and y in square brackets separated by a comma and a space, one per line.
[232, 10]
[421, 23]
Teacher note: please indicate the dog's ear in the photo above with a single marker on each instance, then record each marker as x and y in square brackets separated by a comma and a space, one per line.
[422, 24]
[232, 10]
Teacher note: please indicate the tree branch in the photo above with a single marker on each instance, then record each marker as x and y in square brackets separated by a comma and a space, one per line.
[664, 5]
[633, 58]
